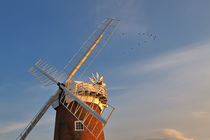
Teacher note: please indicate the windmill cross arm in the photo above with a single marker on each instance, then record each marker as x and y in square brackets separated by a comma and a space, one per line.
[62, 87]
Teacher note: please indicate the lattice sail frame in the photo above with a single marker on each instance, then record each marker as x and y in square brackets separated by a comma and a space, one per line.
[49, 69]
[113, 24]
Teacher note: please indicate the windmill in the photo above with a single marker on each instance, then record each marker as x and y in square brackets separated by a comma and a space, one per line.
[82, 109]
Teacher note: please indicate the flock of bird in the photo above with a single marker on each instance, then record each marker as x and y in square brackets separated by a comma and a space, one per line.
[148, 35]
[142, 37]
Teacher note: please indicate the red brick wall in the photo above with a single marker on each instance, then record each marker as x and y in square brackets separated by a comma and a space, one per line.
[64, 125]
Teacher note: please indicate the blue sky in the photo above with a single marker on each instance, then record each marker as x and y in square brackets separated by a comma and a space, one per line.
[160, 87]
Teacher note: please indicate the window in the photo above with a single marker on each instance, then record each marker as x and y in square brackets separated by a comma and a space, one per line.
[79, 126]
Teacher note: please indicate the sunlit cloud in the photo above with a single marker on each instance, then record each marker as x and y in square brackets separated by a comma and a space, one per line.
[174, 135]
[167, 134]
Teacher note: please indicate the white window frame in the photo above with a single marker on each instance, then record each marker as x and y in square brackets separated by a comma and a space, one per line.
[75, 126]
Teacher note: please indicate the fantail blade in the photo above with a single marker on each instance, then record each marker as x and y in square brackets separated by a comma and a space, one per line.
[92, 80]
[97, 76]
[94, 77]
[101, 79]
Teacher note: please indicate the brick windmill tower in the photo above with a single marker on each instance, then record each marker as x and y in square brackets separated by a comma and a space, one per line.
[82, 109]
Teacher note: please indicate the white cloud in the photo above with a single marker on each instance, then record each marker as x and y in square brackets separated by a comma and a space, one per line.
[174, 135]
[167, 134]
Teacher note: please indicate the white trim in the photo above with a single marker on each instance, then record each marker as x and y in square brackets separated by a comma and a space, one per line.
[75, 126]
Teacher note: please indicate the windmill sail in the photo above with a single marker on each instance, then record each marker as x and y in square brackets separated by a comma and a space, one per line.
[41, 67]
[79, 63]
[38, 116]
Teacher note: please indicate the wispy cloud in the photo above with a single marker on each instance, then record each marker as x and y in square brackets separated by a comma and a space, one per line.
[130, 13]
[9, 127]
[174, 94]
[117, 88]
[201, 115]
[167, 134]
[174, 135]
[191, 56]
